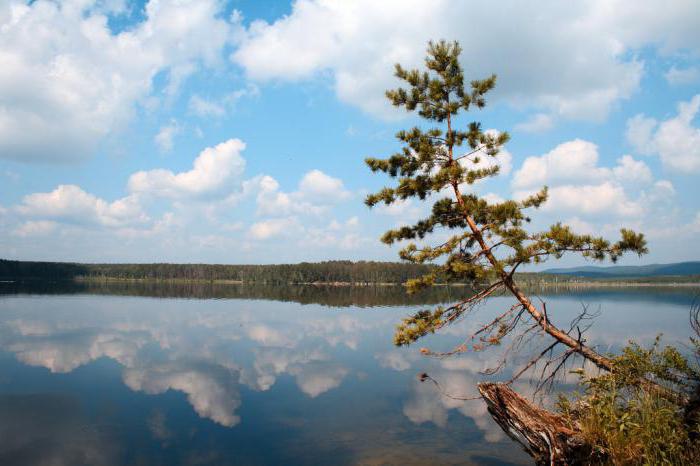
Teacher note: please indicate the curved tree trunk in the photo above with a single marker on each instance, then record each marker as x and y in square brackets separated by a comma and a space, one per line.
[544, 435]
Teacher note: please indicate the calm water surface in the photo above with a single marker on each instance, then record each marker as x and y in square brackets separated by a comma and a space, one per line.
[238, 375]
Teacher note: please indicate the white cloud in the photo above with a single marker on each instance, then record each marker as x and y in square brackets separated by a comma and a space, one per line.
[315, 193]
[35, 228]
[64, 352]
[631, 170]
[215, 169]
[579, 186]
[268, 336]
[538, 123]
[273, 202]
[202, 207]
[209, 108]
[503, 159]
[570, 60]
[271, 228]
[69, 203]
[67, 80]
[316, 184]
[164, 138]
[581, 226]
[639, 133]
[395, 360]
[679, 76]
[343, 236]
[676, 141]
[211, 390]
[403, 209]
[251, 90]
[660, 193]
[318, 377]
[493, 198]
[203, 107]
[604, 198]
[575, 160]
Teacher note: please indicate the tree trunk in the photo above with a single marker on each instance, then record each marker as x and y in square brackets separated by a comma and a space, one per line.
[544, 435]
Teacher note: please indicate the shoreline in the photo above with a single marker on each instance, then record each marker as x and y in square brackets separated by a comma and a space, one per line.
[565, 284]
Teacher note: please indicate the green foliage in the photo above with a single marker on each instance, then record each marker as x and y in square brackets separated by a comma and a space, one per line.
[418, 325]
[628, 423]
[305, 272]
[488, 240]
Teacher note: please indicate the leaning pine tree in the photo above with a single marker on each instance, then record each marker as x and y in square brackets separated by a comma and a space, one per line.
[488, 241]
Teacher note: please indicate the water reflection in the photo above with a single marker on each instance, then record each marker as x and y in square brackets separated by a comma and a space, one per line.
[50, 429]
[274, 378]
[206, 353]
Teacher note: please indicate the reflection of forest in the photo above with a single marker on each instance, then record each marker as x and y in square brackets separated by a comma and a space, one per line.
[336, 296]
[328, 295]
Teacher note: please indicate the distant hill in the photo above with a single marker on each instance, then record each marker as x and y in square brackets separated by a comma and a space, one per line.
[621, 271]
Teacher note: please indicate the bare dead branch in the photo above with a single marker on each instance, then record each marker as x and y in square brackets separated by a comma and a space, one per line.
[532, 362]
[424, 376]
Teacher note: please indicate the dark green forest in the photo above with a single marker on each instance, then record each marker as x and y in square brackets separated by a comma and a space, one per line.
[305, 272]
[362, 272]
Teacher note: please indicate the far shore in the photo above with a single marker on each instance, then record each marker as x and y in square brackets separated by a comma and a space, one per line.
[562, 284]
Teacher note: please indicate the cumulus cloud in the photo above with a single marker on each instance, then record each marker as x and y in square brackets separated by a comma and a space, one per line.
[571, 61]
[676, 141]
[405, 209]
[211, 390]
[425, 405]
[268, 336]
[165, 135]
[575, 160]
[317, 378]
[317, 184]
[68, 80]
[273, 361]
[35, 228]
[64, 352]
[639, 133]
[604, 198]
[503, 158]
[215, 168]
[395, 360]
[69, 203]
[315, 193]
[271, 228]
[207, 200]
[577, 183]
[631, 170]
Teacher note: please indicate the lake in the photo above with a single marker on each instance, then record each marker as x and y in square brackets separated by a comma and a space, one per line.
[198, 375]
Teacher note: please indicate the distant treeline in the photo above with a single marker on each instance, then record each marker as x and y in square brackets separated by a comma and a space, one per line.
[362, 272]
[305, 272]
[326, 295]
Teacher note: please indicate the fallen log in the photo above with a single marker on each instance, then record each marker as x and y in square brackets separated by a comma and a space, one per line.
[544, 435]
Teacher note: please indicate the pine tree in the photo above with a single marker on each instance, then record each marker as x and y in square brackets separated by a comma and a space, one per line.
[489, 240]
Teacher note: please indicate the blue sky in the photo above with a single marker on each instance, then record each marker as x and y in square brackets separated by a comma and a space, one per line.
[235, 131]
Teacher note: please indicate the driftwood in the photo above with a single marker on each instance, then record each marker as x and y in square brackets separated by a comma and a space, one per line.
[544, 435]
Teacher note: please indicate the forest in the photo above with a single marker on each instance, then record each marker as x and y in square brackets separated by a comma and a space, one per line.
[346, 272]
[305, 272]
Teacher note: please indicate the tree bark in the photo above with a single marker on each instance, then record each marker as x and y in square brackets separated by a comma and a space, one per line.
[544, 435]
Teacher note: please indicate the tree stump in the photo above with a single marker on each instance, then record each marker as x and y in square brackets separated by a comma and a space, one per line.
[544, 435]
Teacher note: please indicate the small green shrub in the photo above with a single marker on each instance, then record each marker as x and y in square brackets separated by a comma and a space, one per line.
[629, 422]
